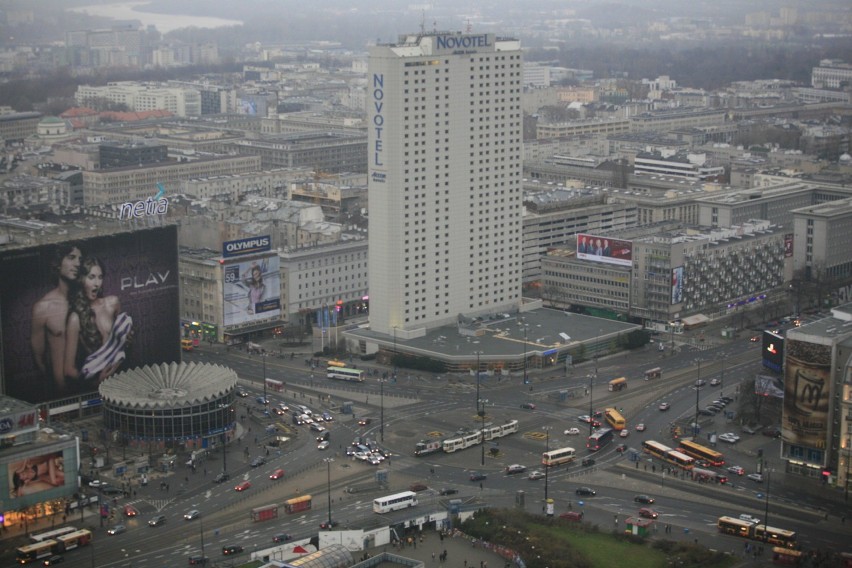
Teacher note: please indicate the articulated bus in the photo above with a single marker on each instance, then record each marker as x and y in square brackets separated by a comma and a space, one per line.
[336, 363]
[683, 461]
[615, 419]
[72, 540]
[33, 552]
[396, 501]
[344, 374]
[654, 373]
[656, 449]
[40, 537]
[557, 457]
[297, 504]
[745, 529]
[617, 384]
[599, 439]
[690, 448]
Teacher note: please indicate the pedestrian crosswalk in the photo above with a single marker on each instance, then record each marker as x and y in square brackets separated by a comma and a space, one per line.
[157, 504]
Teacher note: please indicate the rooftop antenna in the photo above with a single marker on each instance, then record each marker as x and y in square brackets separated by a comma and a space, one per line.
[468, 26]
[422, 22]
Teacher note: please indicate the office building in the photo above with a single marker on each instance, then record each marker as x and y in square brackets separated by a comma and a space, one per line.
[445, 155]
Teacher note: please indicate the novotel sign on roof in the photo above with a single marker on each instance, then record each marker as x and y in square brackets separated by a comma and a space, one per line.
[251, 245]
[463, 41]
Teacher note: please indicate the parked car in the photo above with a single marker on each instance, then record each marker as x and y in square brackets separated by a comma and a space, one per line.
[198, 560]
[231, 549]
[664, 406]
[706, 412]
[116, 529]
[258, 461]
[643, 499]
[418, 487]
[572, 515]
[515, 468]
[323, 445]
[729, 437]
[157, 520]
[528, 406]
[536, 475]
[771, 431]
[572, 432]
[586, 491]
[477, 476]
[648, 513]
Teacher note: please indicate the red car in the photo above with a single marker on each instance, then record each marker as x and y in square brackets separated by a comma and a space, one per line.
[277, 474]
[242, 486]
[648, 513]
[130, 511]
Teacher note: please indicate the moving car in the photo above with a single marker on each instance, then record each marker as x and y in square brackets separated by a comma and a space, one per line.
[130, 511]
[231, 549]
[191, 515]
[536, 475]
[715, 382]
[729, 437]
[621, 448]
[323, 445]
[587, 491]
[116, 529]
[572, 432]
[258, 461]
[477, 476]
[588, 462]
[643, 499]
[221, 477]
[528, 406]
[365, 421]
[640, 427]
[242, 486]
[737, 469]
[700, 383]
[281, 537]
[515, 468]
[417, 486]
[157, 520]
[624, 433]
[664, 406]
[198, 560]
[754, 338]
[757, 477]
[326, 525]
[648, 513]
[55, 559]
[277, 474]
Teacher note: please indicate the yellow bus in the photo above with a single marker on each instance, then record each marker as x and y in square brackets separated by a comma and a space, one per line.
[615, 419]
[690, 448]
[617, 384]
[187, 344]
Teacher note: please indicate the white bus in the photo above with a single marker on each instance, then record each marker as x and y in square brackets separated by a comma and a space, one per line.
[556, 457]
[344, 374]
[396, 501]
[47, 535]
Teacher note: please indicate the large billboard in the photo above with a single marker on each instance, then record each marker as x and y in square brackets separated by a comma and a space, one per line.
[252, 290]
[773, 351]
[677, 285]
[807, 387]
[604, 249]
[39, 474]
[74, 313]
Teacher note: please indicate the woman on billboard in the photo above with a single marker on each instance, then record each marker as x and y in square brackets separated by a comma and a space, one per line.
[253, 280]
[97, 330]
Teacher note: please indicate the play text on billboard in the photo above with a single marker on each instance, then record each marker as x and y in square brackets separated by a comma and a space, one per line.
[75, 313]
[604, 249]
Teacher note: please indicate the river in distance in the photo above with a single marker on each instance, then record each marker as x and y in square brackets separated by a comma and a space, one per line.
[163, 22]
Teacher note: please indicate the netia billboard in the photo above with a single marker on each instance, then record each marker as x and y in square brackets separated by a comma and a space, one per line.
[73, 314]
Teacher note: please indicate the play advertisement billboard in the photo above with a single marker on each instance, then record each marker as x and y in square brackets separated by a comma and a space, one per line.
[252, 290]
[604, 249]
[73, 314]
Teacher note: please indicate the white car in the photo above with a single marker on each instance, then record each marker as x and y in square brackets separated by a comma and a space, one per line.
[755, 477]
[749, 519]
[729, 437]
[572, 432]
[324, 446]
[624, 433]
[536, 475]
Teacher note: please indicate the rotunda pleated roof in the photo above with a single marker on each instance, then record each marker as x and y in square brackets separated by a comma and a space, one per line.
[168, 385]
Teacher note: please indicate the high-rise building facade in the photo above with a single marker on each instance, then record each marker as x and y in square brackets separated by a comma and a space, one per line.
[445, 157]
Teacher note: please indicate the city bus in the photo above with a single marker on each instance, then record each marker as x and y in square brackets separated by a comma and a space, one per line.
[690, 448]
[736, 527]
[786, 556]
[656, 449]
[776, 536]
[72, 540]
[187, 344]
[336, 363]
[297, 504]
[617, 384]
[683, 461]
[344, 374]
[614, 418]
[40, 537]
[396, 501]
[654, 373]
[557, 457]
[37, 550]
[599, 439]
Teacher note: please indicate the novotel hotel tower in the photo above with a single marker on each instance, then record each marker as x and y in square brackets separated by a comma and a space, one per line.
[445, 151]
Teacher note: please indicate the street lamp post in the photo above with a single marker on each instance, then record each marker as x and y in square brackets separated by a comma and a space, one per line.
[382, 409]
[263, 356]
[328, 480]
[546, 467]
[526, 380]
[480, 411]
[722, 380]
[591, 391]
[766, 508]
[697, 392]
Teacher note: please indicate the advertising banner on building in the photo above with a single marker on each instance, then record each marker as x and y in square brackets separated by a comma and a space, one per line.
[604, 249]
[252, 290]
[807, 386]
[788, 245]
[677, 285]
[38, 475]
[773, 351]
[75, 313]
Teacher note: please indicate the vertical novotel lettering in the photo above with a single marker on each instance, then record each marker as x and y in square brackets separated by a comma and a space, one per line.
[378, 118]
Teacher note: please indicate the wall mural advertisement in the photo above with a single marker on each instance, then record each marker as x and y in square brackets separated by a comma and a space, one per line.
[604, 249]
[252, 290]
[73, 314]
[677, 285]
[807, 386]
[47, 473]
